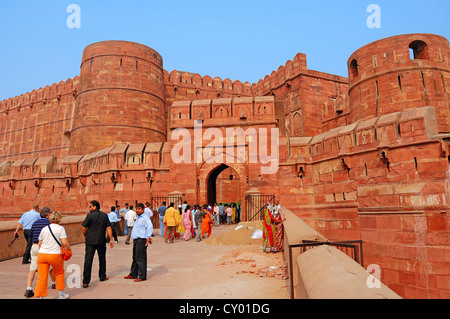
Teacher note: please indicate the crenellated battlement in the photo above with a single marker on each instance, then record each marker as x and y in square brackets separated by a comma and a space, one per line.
[63, 91]
[286, 73]
[193, 85]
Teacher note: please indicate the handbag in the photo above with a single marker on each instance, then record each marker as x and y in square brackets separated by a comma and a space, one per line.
[65, 253]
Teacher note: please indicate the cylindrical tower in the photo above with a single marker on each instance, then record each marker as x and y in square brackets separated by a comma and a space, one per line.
[121, 97]
[398, 73]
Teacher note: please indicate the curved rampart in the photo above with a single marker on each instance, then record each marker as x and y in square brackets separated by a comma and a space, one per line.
[121, 97]
[401, 72]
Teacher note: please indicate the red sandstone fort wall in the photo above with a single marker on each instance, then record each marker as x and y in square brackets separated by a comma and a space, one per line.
[386, 182]
[37, 123]
[119, 174]
[355, 162]
[302, 95]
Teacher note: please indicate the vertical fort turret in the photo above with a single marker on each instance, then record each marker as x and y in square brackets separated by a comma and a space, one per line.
[398, 73]
[121, 97]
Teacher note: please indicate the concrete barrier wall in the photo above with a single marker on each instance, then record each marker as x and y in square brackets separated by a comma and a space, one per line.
[295, 231]
[72, 224]
[325, 272]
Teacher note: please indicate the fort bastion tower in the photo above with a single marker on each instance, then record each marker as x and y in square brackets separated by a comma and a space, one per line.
[398, 73]
[120, 99]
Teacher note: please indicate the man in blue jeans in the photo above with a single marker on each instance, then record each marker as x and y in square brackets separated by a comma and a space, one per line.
[162, 212]
[94, 228]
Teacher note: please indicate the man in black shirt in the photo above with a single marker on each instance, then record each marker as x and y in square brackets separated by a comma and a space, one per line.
[94, 229]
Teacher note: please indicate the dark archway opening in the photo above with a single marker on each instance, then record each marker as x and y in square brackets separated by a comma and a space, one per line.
[212, 179]
[354, 68]
[223, 185]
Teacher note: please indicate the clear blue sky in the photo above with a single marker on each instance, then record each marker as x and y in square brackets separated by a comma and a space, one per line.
[241, 40]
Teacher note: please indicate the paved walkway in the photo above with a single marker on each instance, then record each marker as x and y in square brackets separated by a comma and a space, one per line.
[182, 270]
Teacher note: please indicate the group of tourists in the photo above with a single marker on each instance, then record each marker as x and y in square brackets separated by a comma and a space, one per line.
[194, 221]
[46, 237]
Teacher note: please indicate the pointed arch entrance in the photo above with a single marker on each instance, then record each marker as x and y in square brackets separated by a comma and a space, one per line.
[208, 172]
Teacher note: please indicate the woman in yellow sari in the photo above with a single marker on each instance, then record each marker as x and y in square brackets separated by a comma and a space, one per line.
[233, 216]
[180, 228]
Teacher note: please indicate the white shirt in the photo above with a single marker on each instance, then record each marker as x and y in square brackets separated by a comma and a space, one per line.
[49, 245]
[148, 211]
[130, 217]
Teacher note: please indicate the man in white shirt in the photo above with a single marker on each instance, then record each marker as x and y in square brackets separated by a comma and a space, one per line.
[124, 211]
[130, 217]
[216, 215]
[148, 211]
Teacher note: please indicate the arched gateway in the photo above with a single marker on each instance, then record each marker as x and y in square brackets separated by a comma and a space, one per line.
[223, 185]
[220, 182]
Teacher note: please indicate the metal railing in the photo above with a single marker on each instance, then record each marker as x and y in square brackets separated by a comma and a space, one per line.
[158, 200]
[255, 205]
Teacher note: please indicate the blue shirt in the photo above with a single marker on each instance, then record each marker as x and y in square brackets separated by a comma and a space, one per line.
[143, 227]
[29, 218]
[113, 217]
[162, 211]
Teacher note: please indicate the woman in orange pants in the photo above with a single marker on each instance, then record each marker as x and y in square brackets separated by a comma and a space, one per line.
[50, 255]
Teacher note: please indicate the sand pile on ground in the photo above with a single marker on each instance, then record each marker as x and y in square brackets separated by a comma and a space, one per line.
[240, 236]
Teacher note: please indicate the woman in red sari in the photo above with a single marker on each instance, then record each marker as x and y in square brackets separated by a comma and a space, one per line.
[269, 232]
[279, 219]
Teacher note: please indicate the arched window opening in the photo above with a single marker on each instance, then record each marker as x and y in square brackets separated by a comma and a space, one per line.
[354, 68]
[418, 50]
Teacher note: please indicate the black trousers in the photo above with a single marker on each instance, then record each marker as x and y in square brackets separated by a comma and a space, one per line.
[27, 254]
[113, 230]
[139, 264]
[89, 257]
